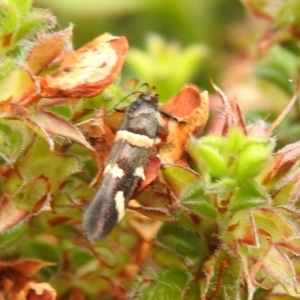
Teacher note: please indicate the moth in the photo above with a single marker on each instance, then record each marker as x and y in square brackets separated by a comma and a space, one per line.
[125, 167]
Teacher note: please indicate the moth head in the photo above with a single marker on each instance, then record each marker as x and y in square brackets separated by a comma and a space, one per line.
[149, 96]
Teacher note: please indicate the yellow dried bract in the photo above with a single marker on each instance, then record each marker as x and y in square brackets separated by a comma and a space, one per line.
[87, 71]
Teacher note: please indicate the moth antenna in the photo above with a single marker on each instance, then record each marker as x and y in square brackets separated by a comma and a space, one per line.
[108, 112]
[146, 85]
[153, 89]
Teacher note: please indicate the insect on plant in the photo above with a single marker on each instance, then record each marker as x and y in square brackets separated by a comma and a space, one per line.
[125, 166]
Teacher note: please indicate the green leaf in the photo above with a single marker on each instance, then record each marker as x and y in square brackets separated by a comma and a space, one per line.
[258, 140]
[192, 292]
[158, 200]
[166, 284]
[195, 199]
[40, 161]
[279, 266]
[17, 86]
[39, 175]
[9, 18]
[33, 195]
[12, 237]
[7, 65]
[252, 160]
[209, 146]
[213, 160]
[45, 252]
[223, 186]
[54, 124]
[183, 242]
[23, 6]
[167, 258]
[80, 257]
[222, 277]
[215, 141]
[178, 178]
[62, 111]
[235, 141]
[200, 207]
[273, 223]
[293, 245]
[154, 213]
[181, 217]
[12, 142]
[40, 131]
[276, 73]
[251, 194]
[10, 215]
[47, 48]
[36, 20]
[64, 230]
[289, 14]
[282, 195]
[292, 46]
[242, 229]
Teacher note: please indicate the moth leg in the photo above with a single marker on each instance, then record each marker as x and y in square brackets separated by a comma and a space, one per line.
[120, 110]
[166, 114]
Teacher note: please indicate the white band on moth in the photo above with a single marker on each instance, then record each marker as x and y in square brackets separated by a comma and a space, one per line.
[135, 139]
[139, 172]
[114, 170]
[120, 204]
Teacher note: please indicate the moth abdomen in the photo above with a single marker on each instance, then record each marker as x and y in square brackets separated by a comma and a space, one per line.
[101, 208]
[108, 205]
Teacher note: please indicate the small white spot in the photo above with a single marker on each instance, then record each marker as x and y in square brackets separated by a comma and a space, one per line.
[116, 171]
[107, 169]
[139, 171]
[157, 140]
[160, 119]
[120, 204]
[135, 139]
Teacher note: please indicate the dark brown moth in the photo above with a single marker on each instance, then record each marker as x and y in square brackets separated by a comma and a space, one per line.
[125, 167]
